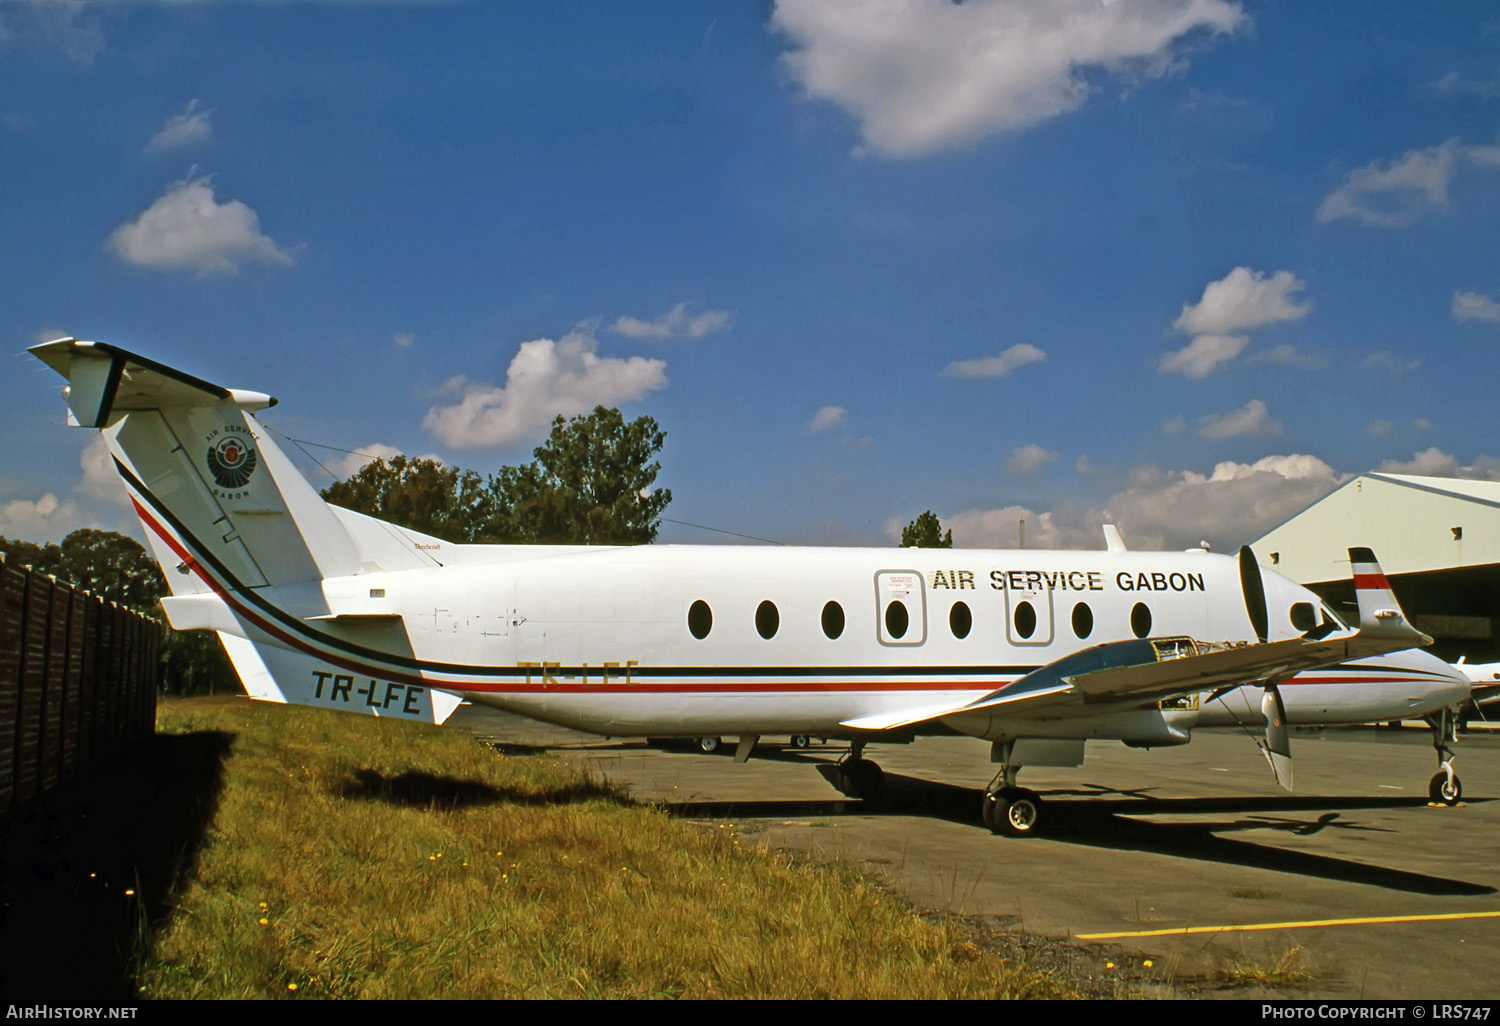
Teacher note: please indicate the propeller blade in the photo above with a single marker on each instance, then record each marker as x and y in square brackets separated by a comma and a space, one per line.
[1278, 744]
[1255, 593]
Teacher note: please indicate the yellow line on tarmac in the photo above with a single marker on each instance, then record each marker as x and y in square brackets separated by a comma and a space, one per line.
[1183, 930]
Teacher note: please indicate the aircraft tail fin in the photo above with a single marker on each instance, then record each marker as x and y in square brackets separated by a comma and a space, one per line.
[209, 484]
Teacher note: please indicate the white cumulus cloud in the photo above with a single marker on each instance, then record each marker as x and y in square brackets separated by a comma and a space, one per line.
[1433, 462]
[189, 128]
[678, 322]
[995, 366]
[1233, 504]
[1396, 193]
[546, 379]
[1203, 355]
[1475, 306]
[41, 520]
[188, 230]
[100, 479]
[928, 75]
[350, 463]
[1241, 300]
[827, 418]
[1029, 458]
[1250, 419]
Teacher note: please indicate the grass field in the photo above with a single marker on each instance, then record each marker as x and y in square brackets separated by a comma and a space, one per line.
[359, 858]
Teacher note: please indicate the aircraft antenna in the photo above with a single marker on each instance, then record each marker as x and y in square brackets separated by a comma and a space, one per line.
[720, 530]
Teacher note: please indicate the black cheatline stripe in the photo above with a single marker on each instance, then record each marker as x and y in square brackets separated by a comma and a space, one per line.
[111, 386]
[312, 635]
[121, 356]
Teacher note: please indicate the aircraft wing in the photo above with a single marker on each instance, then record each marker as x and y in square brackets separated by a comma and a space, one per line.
[1137, 672]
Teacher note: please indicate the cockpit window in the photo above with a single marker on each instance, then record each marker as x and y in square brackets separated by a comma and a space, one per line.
[1304, 617]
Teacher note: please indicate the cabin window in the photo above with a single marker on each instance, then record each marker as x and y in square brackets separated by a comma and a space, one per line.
[1140, 620]
[700, 619]
[1025, 618]
[897, 619]
[1304, 617]
[767, 619]
[960, 620]
[1083, 620]
[833, 620]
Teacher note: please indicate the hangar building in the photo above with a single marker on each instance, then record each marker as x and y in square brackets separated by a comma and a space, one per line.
[1437, 538]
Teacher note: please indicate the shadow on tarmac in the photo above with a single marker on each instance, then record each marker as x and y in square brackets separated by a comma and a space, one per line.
[1098, 817]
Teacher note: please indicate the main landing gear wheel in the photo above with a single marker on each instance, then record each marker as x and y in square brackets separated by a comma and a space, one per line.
[1013, 812]
[708, 744]
[1444, 789]
[861, 778]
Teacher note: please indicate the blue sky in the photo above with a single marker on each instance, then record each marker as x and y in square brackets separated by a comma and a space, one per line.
[1180, 266]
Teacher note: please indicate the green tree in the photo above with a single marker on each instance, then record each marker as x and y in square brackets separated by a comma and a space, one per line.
[591, 483]
[926, 532]
[420, 494]
[104, 563]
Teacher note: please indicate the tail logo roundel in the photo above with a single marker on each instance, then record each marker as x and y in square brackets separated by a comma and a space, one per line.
[231, 462]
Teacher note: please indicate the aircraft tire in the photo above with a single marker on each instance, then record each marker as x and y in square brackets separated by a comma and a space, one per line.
[801, 741]
[708, 744]
[1440, 790]
[1018, 813]
[990, 805]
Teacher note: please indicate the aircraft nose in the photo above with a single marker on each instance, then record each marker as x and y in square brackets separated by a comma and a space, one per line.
[1455, 686]
[1444, 684]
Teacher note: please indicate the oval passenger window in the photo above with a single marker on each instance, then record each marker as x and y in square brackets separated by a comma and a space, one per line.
[897, 619]
[700, 619]
[1083, 620]
[767, 619]
[960, 620]
[1140, 620]
[833, 620]
[1025, 620]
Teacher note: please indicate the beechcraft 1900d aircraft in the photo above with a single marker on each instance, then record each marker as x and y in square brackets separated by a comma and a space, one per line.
[1036, 652]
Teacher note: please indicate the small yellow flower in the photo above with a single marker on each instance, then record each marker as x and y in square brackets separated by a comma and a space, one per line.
[265, 922]
[291, 986]
[129, 892]
[1147, 963]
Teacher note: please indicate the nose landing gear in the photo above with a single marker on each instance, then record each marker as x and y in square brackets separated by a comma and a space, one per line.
[1445, 788]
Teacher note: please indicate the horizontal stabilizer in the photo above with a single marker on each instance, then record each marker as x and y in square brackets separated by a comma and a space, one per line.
[104, 381]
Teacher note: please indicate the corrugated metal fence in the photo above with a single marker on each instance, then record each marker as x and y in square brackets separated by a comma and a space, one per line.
[78, 678]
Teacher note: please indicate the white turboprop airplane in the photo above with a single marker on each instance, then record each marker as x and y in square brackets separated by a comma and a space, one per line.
[1037, 652]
